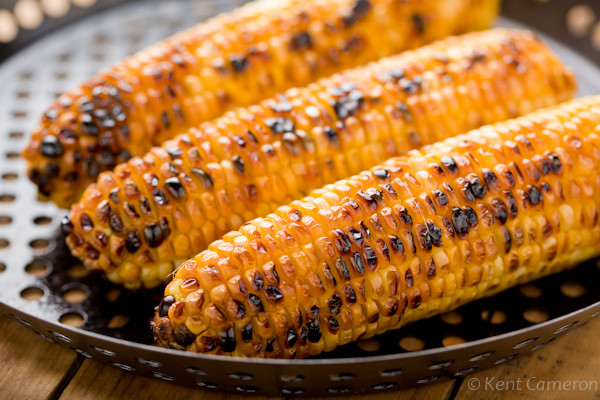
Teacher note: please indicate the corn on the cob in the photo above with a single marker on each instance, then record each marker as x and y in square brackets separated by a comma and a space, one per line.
[421, 234]
[232, 60]
[153, 212]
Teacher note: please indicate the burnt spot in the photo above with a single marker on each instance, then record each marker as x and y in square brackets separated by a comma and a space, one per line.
[430, 268]
[371, 258]
[88, 126]
[174, 151]
[555, 163]
[342, 241]
[381, 173]
[175, 188]
[349, 294]
[512, 204]
[440, 197]
[145, 206]
[115, 223]
[416, 301]
[160, 198]
[365, 229]
[465, 188]
[342, 269]
[227, 340]
[411, 242]
[411, 86]
[418, 23]
[390, 189]
[477, 187]
[51, 147]
[86, 223]
[241, 310]
[401, 109]
[292, 144]
[314, 333]
[348, 103]
[435, 234]
[204, 177]
[535, 196]
[301, 41]
[335, 304]
[238, 163]
[471, 216]
[360, 10]
[545, 187]
[90, 166]
[509, 177]
[408, 278]
[256, 303]
[247, 333]
[500, 210]
[423, 237]
[384, 248]
[545, 167]
[331, 135]
[66, 226]
[257, 281]
[280, 125]
[291, 338]
[404, 216]
[491, 180]
[133, 242]
[397, 245]
[449, 164]
[356, 235]
[506, 239]
[273, 294]
[239, 63]
[131, 211]
[460, 221]
[358, 263]
[333, 325]
[154, 235]
[183, 336]
[164, 305]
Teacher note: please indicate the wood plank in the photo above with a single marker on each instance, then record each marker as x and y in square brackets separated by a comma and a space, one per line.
[32, 367]
[95, 380]
[572, 358]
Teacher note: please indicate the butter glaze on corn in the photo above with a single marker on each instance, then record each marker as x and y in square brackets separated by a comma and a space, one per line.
[419, 235]
[232, 60]
[154, 212]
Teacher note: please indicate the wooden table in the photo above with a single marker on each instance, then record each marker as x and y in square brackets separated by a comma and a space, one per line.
[33, 368]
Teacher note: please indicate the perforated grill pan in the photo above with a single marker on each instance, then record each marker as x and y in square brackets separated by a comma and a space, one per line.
[44, 288]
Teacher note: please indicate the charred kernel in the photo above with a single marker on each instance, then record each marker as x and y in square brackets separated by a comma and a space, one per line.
[335, 304]
[133, 243]
[460, 221]
[247, 333]
[238, 163]
[423, 237]
[204, 177]
[160, 198]
[145, 206]
[430, 204]
[435, 234]
[396, 244]
[66, 226]
[257, 281]
[404, 111]
[381, 173]
[356, 235]
[115, 223]
[331, 135]
[256, 302]
[101, 238]
[449, 164]
[342, 241]
[166, 120]
[512, 204]
[509, 177]
[390, 189]
[88, 127]
[418, 23]
[183, 336]
[280, 125]
[333, 324]
[365, 229]
[430, 267]
[314, 333]
[164, 227]
[416, 301]
[411, 242]
[208, 344]
[369, 200]
[301, 41]
[153, 235]
[91, 252]
[490, 178]
[175, 188]
[404, 216]
[555, 163]
[91, 167]
[360, 9]
[131, 211]
[384, 248]
[500, 210]
[371, 258]
[506, 239]
[545, 187]
[273, 294]
[342, 269]
[535, 196]
[441, 197]
[227, 340]
[86, 223]
[291, 143]
[239, 63]
[408, 278]
[545, 167]
[471, 216]
[51, 147]
[241, 310]
[174, 151]
[291, 338]
[348, 104]
[357, 263]
[477, 187]
[165, 304]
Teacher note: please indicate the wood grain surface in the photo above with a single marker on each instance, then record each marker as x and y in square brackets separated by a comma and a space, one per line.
[36, 369]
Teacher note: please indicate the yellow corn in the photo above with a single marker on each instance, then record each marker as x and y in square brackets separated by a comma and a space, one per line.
[232, 60]
[151, 213]
[421, 234]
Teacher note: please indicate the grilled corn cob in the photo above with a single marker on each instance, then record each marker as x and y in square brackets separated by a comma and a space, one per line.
[232, 60]
[154, 212]
[419, 235]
